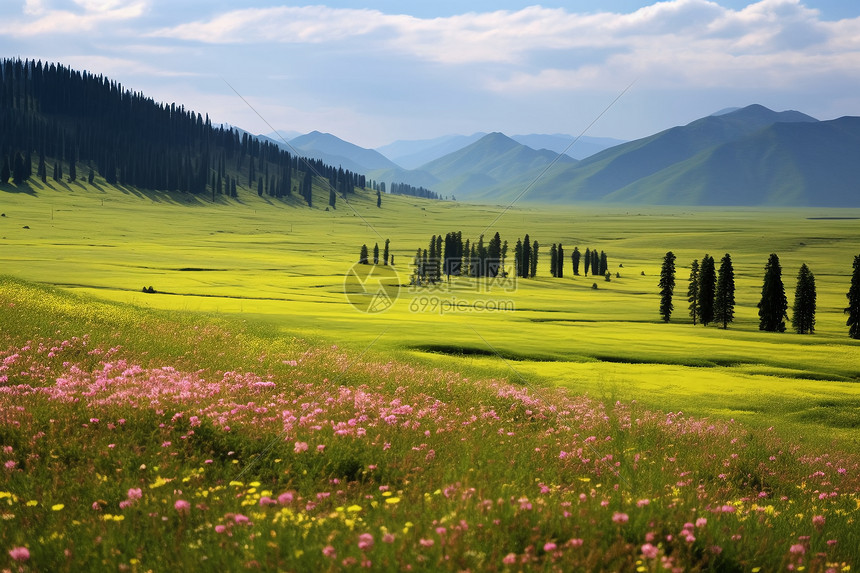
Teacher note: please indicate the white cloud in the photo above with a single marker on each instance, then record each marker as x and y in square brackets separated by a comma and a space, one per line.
[41, 20]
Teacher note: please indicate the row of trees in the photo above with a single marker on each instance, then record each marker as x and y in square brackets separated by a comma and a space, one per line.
[711, 295]
[451, 256]
[406, 189]
[364, 255]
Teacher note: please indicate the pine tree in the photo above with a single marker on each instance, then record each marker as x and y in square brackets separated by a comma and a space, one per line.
[553, 260]
[362, 257]
[376, 253]
[385, 253]
[707, 290]
[773, 305]
[560, 265]
[534, 255]
[803, 310]
[19, 171]
[595, 263]
[5, 172]
[91, 176]
[667, 286]
[693, 291]
[574, 258]
[587, 261]
[518, 258]
[853, 310]
[724, 298]
[604, 263]
[527, 257]
[332, 197]
[260, 186]
[378, 198]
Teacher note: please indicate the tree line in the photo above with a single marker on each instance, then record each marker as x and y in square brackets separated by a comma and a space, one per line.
[70, 122]
[711, 295]
[411, 190]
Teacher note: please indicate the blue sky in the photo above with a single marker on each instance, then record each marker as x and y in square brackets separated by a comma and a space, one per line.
[391, 69]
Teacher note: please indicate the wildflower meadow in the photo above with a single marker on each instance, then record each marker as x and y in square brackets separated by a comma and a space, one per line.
[127, 444]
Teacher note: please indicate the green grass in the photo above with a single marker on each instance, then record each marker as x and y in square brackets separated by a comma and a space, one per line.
[283, 266]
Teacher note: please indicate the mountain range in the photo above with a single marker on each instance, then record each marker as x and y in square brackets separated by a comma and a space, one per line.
[737, 156]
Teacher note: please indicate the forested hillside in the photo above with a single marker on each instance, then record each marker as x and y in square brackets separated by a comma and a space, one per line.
[69, 125]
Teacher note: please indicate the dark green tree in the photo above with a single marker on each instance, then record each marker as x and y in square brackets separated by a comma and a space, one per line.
[534, 261]
[19, 171]
[586, 261]
[853, 309]
[91, 176]
[376, 253]
[553, 260]
[724, 298]
[773, 305]
[604, 263]
[707, 289]
[560, 265]
[803, 310]
[362, 257]
[574, 259]
[527, 257]
[332, 197]
[5, 172]
[518, 258]
[667, 286]
[693, 291]
[378, 198]
[385, 252]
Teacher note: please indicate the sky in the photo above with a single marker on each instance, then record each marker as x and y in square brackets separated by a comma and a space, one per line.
[399, 70]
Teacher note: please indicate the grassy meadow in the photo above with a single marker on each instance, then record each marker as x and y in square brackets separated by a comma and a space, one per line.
[250, 415]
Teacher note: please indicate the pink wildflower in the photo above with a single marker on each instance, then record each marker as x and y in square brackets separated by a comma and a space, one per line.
[285, 498]
[426, 542]
[135, 493]
[649, 551]
[618, 517]
[301, 447]
[220, 528]
[818, 521]
[19, 553]
[701, 522]
[575, 542]
[365, 541]
[550, 546]
[510, 559]
[182, 506]
[388, 538]
[329, 552]
[643, 502]
[241, 519]
[10, 464]
[797, 548]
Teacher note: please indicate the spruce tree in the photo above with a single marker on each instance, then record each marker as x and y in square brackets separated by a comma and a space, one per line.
[518, 258]
[527, 257]
[376, 253]
[853, 310]
[803, 310]
[724, 298]
[560, 265]
[693, 291]
[667, 286]
[5, 172]
[707, 288]
[362, 257]
[586, 261]
[378, 198]
[553, 260]
[534, 262]
[574, 259]
[604, 263]
[385, 252]
[773, 305]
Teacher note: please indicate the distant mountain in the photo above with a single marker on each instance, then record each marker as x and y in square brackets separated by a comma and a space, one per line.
[492, 160]
[790, 164]
[335, 151]
[411, 154]
[628, 166]
[578, 148]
